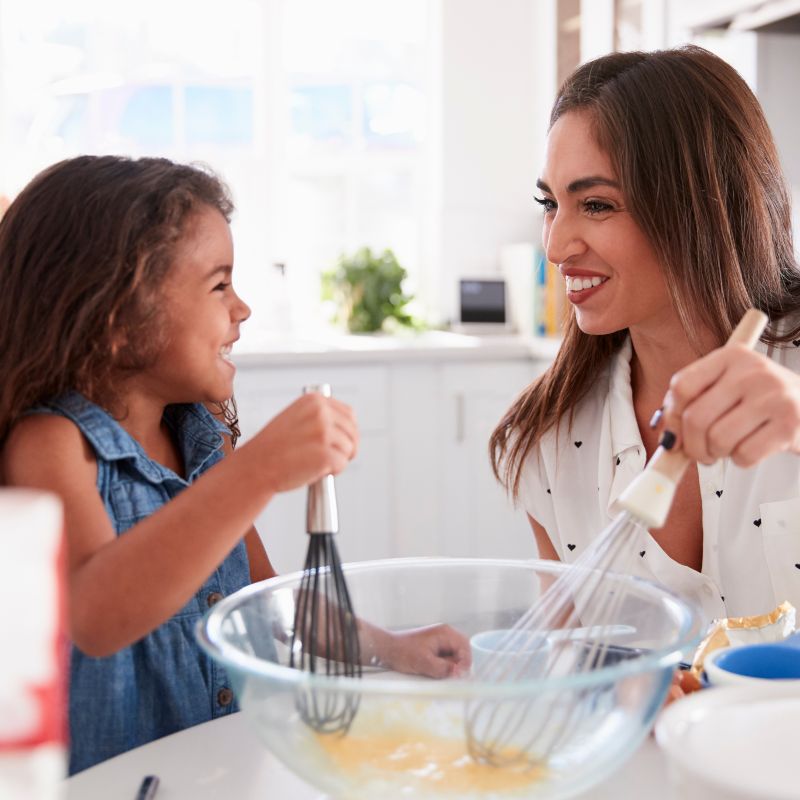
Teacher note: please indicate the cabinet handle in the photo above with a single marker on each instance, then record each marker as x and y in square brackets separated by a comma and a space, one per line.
[459, 418]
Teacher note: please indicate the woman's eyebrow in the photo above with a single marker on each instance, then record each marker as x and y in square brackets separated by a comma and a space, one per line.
[580, 184]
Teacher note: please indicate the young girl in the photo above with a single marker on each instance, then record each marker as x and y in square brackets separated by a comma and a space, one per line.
[118, 321]
[666, 214]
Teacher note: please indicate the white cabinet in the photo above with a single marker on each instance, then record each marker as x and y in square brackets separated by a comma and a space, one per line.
[477, 516]
[421, 484]
[362, 490]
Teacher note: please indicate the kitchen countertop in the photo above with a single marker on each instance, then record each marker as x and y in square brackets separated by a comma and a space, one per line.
[264, 349]
[224, 759]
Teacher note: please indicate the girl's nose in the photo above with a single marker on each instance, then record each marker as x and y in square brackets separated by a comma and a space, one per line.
[241, 311]
[561, 239]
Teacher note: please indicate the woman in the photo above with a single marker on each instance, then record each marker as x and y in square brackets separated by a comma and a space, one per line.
[666, 213]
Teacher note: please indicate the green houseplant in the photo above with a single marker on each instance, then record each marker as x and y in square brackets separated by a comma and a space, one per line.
[367, 288]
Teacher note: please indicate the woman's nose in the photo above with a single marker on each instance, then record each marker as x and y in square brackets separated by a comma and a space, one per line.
[561, 239]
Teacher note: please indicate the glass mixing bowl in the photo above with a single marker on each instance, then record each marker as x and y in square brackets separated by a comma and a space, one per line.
[409, 735]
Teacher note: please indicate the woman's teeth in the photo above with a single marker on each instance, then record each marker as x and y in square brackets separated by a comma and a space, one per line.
[225, 352]
[578, 284]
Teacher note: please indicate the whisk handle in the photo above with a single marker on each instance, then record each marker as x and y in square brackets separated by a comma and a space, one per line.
[322, 513]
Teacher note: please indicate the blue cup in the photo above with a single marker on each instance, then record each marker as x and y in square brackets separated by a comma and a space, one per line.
[762, 662]
[776, 661]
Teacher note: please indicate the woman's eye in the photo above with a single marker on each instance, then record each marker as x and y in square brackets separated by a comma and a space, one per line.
[596, 207]
[546, 203]
[221, 287]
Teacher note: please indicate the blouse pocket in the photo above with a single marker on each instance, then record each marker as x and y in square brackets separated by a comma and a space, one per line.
[780, 523]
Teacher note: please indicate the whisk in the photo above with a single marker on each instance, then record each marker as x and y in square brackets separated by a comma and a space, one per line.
[575, 620]
[325, 636]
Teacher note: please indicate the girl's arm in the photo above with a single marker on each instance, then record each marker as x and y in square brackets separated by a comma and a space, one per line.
[121, 588]
[260, 566]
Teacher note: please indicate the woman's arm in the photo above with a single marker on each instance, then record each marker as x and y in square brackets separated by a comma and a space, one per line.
[543, 543]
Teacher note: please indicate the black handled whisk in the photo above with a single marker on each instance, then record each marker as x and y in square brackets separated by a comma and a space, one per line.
[325, 636]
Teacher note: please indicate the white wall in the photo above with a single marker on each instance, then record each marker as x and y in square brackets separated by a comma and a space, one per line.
[488, 139]
[769, 62]
[777, 71]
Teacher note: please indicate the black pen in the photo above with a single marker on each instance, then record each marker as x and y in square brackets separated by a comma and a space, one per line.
[147, 791]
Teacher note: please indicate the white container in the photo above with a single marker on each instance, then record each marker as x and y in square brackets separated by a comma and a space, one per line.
[32, 668]
[733, 743]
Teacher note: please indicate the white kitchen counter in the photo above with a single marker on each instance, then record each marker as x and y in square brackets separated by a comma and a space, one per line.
[224, 759]
[262, 349]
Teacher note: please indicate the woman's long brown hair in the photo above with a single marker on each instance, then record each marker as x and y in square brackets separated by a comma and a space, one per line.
[700, 174]
[84, 250]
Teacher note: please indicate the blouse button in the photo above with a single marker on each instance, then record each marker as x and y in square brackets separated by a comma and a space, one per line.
[213, 599]
[225, 696]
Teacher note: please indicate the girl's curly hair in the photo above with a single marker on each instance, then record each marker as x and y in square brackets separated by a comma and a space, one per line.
[84, 250]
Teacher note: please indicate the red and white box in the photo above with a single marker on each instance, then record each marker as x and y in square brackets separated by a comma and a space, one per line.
[33, 655]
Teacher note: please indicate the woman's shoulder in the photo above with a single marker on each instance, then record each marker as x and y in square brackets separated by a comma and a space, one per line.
[585, 416]
[787, 353]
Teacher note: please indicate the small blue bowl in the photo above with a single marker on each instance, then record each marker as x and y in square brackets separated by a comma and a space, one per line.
[779, 662]
[767, 661]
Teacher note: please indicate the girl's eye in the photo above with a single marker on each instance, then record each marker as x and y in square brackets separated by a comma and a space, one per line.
[596, 207]
[221, 287]
[546, 203]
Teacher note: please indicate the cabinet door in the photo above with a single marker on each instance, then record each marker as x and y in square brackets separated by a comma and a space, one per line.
[477, 517]
[362, 489]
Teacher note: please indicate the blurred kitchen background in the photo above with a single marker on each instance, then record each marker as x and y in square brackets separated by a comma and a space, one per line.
[410, 125]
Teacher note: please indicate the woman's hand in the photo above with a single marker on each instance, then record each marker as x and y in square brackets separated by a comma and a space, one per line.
[437, 651]
[733, 403]
[683, 683]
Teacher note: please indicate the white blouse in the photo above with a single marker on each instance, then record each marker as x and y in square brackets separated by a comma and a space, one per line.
[751, 517]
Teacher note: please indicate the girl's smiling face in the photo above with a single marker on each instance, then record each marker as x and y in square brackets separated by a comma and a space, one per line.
[613, 278]
[202, 316]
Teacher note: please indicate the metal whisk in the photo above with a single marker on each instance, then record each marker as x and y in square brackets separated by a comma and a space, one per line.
[325, 636]
[574, 627]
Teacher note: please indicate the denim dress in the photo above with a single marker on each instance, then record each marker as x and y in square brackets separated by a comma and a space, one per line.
[164, 682]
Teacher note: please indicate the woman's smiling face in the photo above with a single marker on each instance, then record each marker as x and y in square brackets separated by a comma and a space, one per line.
[613, 277]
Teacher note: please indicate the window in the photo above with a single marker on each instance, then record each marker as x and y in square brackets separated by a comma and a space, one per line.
[313, 112]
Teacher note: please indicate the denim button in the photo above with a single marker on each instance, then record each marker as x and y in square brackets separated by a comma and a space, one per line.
[213, 599]
[225, 696]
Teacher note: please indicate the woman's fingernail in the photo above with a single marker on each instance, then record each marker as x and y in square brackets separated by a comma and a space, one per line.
[667, 440]
[656, 418]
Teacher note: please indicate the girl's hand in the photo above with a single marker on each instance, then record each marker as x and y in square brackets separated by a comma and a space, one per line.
[733, 402]
[437, 651]
[313, 437]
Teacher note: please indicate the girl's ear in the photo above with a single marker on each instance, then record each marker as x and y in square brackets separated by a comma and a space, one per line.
[118, 337]
[118, 341]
